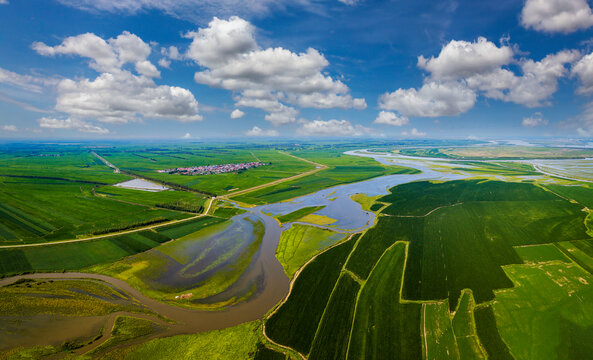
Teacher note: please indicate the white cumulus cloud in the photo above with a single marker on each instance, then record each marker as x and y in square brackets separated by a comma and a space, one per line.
[389, 118]
[272, 79]
[257, 131]
[431, 100]
[71, 124]
[11, 128]
[562, 16]
[27, 82]
[117, 95]
[237, 114]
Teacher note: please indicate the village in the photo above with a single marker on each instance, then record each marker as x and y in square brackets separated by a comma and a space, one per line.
[213, 169]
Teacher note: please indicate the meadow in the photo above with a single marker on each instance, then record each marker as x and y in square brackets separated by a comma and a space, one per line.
[499, 152]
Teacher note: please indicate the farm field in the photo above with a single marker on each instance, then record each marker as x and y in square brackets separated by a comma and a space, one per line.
[450, 306]
[298, 214]
[79, 255]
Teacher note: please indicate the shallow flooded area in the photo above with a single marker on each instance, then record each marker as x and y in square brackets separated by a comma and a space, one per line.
[141, 184]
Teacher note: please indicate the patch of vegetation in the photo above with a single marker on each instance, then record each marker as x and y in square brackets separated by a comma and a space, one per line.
[300, 213]
[64, 297]
[300, 243]
[366, 202]
[126, 328]
[227, 212]
[489, 335]
[239, 342]
[295, 323]
[464, 327]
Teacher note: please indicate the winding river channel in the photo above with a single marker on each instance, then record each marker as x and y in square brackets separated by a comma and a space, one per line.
[265, 272]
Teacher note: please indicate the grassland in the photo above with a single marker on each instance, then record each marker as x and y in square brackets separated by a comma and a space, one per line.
[300, 243]
[239, 342]
[127, 328]
[63, 297]
[464, 327]
[366, 202]
[298, 214]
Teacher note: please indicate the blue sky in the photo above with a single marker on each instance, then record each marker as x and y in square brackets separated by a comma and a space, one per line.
[197, 69]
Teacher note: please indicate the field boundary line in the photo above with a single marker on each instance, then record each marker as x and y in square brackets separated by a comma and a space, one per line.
[102, 236]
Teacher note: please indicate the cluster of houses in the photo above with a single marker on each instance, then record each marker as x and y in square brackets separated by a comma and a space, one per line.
[213, 169]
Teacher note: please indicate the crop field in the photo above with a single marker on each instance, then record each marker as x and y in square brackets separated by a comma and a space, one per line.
[445, 307]
[148, 198]
[303, 310]
[331, 339]
[300, 243]
[382, 324]
[76, 255]
[549, 304]
[583, 193]
[298, 214]
[438, 338]
[40, 210]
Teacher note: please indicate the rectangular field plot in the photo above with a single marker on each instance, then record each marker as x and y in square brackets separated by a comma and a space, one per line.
[296, 321]
[549, 304]
[540, 253]
[382, 324]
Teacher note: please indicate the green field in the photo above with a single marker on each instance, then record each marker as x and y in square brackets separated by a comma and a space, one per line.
[382, 323]
[547, 313]
[438, 337]
[300, 243]
[499, 152]
[298, 214]
[239, 342]
[303, 310]
[331, 339]
[76, 255]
